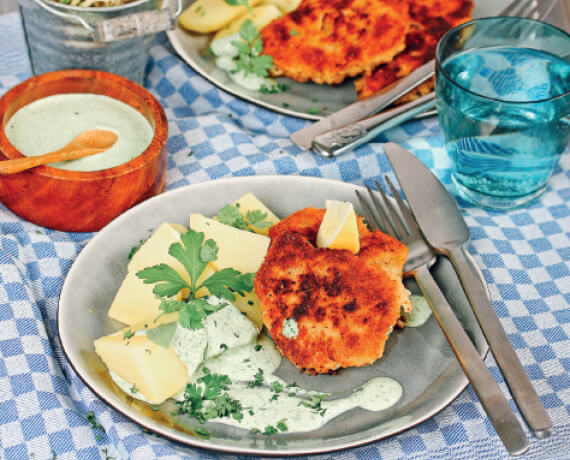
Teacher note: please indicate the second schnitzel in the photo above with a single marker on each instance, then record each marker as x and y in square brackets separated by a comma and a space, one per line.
[430, 19]
[327, 41]
[328, 308]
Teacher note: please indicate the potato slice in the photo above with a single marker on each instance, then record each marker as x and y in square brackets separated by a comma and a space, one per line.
[205, 16]
[284, 5]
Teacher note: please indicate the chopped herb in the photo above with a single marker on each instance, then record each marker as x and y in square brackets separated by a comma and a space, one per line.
[190, 153]
[285, 104]
[276, 386]
[250, 59]
[134, 389]
[274, 397]
[258, 379]
[238, 3]
[256, 218]
[154, 407]
[98, 437]
[250, 302]
[39, 232]
[128, 334]
[294, 384]
[273, 88]
[257, 347]
[223, 346]
[204, 400]
[254, 431]
[315, 403]
[293, 32]
[250, 412]
[201, 431]
[270, 430]
[107, 456]
[93, 421]
[314, 100]
[231, 216]
[281, 425]
[313, 111]
[134, 249]
[246, 360]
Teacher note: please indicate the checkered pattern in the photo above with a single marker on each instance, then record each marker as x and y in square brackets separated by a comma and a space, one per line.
[524, 256]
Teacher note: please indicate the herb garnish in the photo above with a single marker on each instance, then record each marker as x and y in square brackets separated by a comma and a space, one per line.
[276, 386]
[128, 334]
[238, 3]
[249, 58]
[273, 88]
[134, 249]
[231, 216]
[204, 400]
[315, 403]
[258, 379]
[194, 254]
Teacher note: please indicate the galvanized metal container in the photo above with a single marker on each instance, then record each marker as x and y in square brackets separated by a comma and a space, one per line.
[115, 39]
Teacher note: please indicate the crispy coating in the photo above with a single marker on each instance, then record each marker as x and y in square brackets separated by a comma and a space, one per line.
[344, 305]
[326, 41]
[430, 20]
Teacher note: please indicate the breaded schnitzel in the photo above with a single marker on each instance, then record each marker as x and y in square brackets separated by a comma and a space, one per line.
[328, 308]
[327, 41]
[430, 20]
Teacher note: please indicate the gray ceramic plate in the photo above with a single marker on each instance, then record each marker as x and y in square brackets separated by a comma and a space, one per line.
[304, 100]
[419, 358]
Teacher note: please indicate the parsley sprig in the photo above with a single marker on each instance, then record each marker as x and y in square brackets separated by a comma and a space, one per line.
[231, 216]
[194, 254]
[208, 399]
[250, 59]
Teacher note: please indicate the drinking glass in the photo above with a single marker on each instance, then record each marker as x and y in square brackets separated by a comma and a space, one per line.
[503, 98]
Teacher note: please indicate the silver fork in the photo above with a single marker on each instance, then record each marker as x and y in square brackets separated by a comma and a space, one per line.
[340, 132]
[397, 221]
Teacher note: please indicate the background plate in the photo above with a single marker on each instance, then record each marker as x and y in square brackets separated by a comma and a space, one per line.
[419, 358]
[302, 99]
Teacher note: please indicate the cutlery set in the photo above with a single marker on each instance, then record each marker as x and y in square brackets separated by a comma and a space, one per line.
[361, 121]
[432, 225]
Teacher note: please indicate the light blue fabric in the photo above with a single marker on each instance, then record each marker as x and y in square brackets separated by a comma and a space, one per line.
[524, 256]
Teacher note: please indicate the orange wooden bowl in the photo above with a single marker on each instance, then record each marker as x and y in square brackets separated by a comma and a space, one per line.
[82, 201]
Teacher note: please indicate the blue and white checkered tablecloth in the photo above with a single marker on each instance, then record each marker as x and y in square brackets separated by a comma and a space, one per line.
[524, 256]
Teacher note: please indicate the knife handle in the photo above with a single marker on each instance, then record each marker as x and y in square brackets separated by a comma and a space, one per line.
[487, 389]
[515, 376]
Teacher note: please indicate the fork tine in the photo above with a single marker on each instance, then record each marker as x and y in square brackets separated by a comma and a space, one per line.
[367, 212]
[405, 212]
[513, 7]
[392, 213]
[381, 217]
[546, 10]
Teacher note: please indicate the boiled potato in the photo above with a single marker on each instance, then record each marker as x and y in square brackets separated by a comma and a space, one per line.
[260, 16]
[284, 5]
[205, 16]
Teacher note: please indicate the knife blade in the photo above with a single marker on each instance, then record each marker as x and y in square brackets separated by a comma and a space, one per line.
[362, 109]
[445, 230]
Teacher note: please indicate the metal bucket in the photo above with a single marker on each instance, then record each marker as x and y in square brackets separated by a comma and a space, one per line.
[115, 39]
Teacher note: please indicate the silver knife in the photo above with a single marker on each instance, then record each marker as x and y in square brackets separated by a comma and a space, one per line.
[445, 230]
[362, 109]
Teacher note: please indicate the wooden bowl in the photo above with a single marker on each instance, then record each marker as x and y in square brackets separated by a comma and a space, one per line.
[82, 201]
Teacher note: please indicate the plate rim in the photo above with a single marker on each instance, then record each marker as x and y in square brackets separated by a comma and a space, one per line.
[187, 439]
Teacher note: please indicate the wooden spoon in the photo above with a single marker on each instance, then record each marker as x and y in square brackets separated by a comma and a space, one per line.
[84, 144]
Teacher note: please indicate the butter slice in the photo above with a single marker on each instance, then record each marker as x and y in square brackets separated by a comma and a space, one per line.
[249, 202]
[157, 372]
[237, 249]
